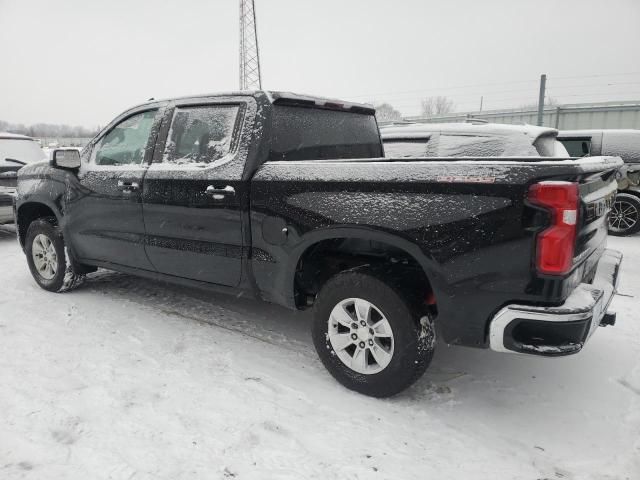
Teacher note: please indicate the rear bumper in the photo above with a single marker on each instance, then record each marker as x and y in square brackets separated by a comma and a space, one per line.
[561, 330]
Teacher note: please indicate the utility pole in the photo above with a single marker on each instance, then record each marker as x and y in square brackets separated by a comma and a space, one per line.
[250, 78]
[543, 86]
[481, 100]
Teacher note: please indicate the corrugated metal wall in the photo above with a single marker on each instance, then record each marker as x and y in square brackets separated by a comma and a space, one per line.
[563, 117]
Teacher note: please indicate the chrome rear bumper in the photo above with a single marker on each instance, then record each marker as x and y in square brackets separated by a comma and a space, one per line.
[561, 330]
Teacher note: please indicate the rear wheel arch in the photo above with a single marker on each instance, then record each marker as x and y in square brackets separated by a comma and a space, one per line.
[346, 248]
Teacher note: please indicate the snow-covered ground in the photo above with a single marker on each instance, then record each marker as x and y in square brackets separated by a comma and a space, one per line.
[131, 379]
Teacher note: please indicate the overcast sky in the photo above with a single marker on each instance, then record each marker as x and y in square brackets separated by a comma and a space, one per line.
[82, 62]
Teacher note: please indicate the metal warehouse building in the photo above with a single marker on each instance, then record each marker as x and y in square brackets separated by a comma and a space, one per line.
[564, 117]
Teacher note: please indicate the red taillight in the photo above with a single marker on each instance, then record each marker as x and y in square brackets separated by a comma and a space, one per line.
[555, 245]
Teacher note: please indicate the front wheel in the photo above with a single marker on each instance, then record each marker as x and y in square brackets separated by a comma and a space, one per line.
[47, 257]
[372, 337]
[624, 218]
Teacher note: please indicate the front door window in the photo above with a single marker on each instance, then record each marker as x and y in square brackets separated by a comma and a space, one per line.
[126, 143]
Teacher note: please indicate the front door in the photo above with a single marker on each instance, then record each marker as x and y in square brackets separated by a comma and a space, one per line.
[104, 218]
[193, 195]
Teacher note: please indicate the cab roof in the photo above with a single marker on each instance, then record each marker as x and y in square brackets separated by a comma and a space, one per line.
[280, 98]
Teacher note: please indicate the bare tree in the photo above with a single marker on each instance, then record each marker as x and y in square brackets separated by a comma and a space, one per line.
[48, 130]
[386, 113]
[437, 106]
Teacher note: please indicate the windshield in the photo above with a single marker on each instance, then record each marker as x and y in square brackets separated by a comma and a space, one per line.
[484, 146]
[461, 145]
[405, 148]
[25, 151]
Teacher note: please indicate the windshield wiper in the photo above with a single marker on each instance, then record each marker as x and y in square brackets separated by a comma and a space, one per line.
[15, 161]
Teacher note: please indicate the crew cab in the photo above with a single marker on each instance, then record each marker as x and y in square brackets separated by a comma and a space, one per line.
[289, 199]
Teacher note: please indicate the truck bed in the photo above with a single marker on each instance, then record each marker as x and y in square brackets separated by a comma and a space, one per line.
[466, 221]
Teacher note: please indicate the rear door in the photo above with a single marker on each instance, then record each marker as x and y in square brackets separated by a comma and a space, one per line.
[193, 193]
[104, 209]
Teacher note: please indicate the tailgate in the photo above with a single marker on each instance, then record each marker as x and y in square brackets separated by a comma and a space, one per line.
[597, 194]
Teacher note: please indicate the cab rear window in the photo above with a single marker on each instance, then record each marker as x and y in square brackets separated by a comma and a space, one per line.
[300, 133]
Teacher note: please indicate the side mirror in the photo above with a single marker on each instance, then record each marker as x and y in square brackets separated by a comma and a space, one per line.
[65, 158]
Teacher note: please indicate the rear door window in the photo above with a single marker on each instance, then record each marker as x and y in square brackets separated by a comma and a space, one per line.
[300, 133]
[201, 135]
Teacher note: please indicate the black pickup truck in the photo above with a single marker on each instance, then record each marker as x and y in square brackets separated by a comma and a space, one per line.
[289, 199]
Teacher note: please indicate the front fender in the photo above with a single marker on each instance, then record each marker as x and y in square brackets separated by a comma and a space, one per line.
[40, 187]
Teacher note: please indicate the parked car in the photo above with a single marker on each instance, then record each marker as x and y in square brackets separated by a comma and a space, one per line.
[625, 215]
[288, 199]
[472, 139]
[15, 152]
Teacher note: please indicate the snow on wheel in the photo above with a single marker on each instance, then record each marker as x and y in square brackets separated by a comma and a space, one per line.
[624, 218]
[47, 257]
[371, 336]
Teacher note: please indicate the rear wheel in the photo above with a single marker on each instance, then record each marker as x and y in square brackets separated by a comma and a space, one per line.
[47, 257]
[372, 337]
[624, 218]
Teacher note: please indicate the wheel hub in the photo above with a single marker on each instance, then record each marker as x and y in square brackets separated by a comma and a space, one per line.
[363, 334]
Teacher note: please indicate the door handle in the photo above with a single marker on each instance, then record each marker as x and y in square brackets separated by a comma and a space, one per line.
[218, 193]
[128, 187]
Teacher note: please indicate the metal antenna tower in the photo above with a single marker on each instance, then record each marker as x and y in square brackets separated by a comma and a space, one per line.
[249, 53]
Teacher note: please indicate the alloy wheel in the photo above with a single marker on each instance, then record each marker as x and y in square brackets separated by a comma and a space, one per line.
[361, 336]
[44, 256]
[623, 216]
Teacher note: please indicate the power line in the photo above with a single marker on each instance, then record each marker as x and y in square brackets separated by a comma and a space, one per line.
[500, 92]
[600, 75]
[438, 89]
[479, 85]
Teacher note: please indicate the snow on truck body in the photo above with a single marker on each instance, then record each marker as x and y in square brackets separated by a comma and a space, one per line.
[288, 198]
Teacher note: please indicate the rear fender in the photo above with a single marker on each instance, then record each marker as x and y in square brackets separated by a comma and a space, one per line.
[427, 264]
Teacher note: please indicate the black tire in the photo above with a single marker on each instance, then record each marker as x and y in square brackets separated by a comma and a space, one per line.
[413, 331]
[66, 276]
[624, 218]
